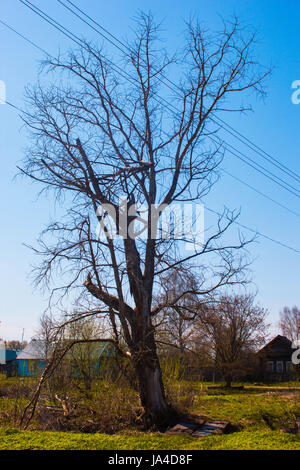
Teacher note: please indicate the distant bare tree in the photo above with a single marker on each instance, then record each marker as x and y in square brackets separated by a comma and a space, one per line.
[16, 345]
[58, 347]
[101, 134]
[175, 320]
[290, 323]
[46, 334]
[84, 356]
[235, 328]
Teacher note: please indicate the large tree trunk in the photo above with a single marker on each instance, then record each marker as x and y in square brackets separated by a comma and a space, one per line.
[152, 394]
[142, 346]
[157, 412]
[228, 381]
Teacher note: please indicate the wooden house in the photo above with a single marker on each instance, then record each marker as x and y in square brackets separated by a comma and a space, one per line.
[7, 358]
[275, 360]
[32, 360]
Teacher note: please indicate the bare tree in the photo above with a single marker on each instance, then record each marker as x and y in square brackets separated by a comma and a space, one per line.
[46, 334]
[16, 345]
[58, 349]
[101, 134]
[84, 357]
[290, 323]
[175, 320]
[235, 328]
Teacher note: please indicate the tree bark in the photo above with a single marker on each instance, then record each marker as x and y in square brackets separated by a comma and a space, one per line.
[143, 351]
[228, 381]
[157, 411]
[152, 395]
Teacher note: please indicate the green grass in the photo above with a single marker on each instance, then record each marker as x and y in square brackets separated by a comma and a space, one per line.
[258, 412]
[14, 439]
[249, 411]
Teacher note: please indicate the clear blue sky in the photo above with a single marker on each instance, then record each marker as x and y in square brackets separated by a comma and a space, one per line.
[274, 126]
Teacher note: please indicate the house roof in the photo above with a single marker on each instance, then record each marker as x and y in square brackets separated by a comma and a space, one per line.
[97, 349]
[36, 349]
[277, 346]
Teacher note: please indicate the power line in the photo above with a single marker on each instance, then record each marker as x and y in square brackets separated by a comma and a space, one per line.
[277, 164]
[263, 235]
[259, 151]
[233, 153]
[95, 22]
[69, 34]
[59, 26]
[234, 132]
[50, 20]
[260, 192]
[223, 170]
[75, 38]
[267, 237]
[256, 232]
[211, 210]
[252, 165]
[23, 37]
[121, 72]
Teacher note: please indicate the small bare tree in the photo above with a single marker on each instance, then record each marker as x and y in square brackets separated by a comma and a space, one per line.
[290, 323]
[46, 334]
[16, 345]
[235, 328]
[175, 320]
[84, 357]
[101, 134]
[58, 349]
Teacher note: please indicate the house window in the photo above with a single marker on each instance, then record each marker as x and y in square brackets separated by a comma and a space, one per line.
[289, 366]
[270, 366]
[279, 367]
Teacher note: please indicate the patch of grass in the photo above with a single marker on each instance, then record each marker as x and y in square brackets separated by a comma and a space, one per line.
[259, 413]
[38, 440]
[249, 411]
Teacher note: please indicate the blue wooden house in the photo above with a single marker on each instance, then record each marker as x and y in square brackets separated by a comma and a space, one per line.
[7, 355]
[32, 360]
[7, 358]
